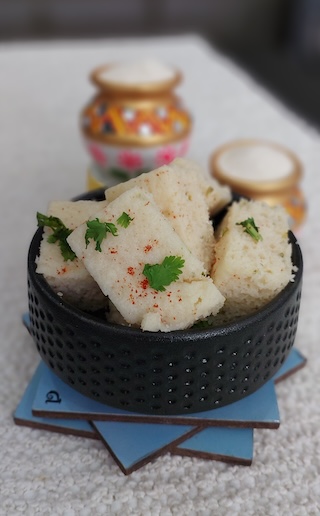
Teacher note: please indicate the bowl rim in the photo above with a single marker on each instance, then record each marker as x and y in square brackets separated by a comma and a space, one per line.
[118, 88]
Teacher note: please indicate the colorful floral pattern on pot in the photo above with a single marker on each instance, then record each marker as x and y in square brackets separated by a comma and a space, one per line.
[131, 127]
[111, 164]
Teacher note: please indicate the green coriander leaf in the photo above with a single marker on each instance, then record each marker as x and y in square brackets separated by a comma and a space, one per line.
[209, 322]
[49, 221]
[124, 220]
[98, 231]
[251, 228]
[162, 274]
[59, 234]
[66, 250]
[52, 239]
[203, 324]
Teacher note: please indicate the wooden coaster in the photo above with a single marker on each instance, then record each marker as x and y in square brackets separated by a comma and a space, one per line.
[132, 445]
[26, 321]
[294, 363]
[23, 415]
[231, 445]
[54, 398]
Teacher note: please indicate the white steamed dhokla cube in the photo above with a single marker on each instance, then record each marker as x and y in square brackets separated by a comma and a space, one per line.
[250, 271]
[147, 240]
[216, 195]
[70, 279]
[186, 199]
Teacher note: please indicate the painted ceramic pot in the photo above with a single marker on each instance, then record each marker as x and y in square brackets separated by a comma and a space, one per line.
[132, 128]
[264, 171]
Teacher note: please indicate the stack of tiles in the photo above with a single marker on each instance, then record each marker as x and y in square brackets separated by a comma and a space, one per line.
[133, 439]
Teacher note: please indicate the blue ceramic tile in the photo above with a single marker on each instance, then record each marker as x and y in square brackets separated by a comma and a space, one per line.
[26, 320]
[23, 413]
[294, 362]
[134, 444]
[56, 399]
[260, 409]
[228, 444]
[131, 444]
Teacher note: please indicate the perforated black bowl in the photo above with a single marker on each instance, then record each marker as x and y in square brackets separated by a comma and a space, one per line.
[162, 373]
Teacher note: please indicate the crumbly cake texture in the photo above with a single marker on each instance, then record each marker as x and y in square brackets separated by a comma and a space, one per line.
[70, 279]
[185, 199]
[247, 272]
[118, 268]
[216, 195]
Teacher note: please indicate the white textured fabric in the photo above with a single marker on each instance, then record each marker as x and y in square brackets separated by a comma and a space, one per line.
[42, 88]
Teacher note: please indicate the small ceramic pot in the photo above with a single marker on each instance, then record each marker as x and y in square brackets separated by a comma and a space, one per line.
[133, 128]
[274, 185]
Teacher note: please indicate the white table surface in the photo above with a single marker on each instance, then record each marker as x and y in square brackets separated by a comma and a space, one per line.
[42, 89]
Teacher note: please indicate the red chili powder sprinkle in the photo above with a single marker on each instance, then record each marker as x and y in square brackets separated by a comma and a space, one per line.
[155, 306]
[130, 270]
[147, 248]
[144, 283]
[113, 251]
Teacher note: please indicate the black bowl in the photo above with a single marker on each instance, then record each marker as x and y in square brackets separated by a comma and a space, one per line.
[162, 373]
